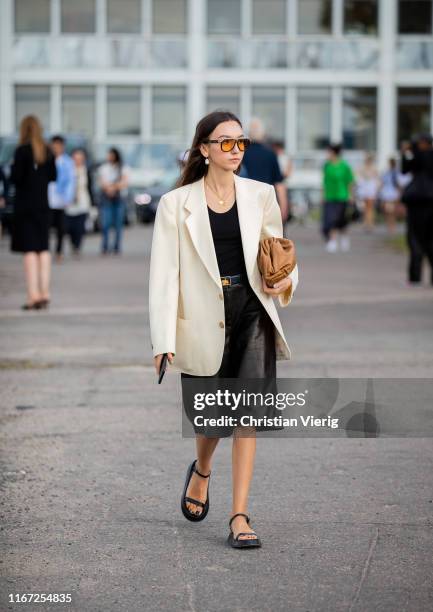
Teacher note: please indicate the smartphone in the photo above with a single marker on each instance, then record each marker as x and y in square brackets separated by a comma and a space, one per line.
[162, 368]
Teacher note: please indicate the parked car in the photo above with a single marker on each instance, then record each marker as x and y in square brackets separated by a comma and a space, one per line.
[146, 200]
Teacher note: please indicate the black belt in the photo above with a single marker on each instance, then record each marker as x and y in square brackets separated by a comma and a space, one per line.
[236, 279]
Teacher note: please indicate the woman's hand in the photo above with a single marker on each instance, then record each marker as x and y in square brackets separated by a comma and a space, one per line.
[158, 359]
[279, 287]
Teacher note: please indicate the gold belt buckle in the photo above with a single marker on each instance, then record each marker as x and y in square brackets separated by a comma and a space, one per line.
[226, 281]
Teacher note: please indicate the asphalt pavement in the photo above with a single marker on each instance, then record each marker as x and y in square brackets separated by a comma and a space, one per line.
[93, 461]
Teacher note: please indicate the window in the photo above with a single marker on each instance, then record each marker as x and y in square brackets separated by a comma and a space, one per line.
[124, 17]
[359, 118]
[168, 110]
[123, 110]
[227, 98]
[33, 100]
[315, 16]
[413, 116]
[269, 16]
[224, 16]
[268, 104]
[78, 16]
[169, 16]
[78, 109]
[314, 118]
[415, 16]
[360, 17]
[32, 16]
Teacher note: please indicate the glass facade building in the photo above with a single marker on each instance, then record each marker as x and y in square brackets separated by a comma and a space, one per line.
[131, 72]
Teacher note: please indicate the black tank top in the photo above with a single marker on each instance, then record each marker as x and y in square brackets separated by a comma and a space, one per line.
[226, 233]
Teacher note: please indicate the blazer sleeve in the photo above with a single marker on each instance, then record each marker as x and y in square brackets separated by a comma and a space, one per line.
[272, 226]
[164, 279]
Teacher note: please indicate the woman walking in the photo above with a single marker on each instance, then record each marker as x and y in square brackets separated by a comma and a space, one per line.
[77, 212]
[390, 194]
[32, 169]
[368, 186]
[209, 308]
[113, 180]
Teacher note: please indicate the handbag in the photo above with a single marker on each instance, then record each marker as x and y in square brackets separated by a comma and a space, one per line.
[353, 213]
[276, 259]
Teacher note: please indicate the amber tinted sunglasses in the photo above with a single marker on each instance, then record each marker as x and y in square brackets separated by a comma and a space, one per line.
[228, 144]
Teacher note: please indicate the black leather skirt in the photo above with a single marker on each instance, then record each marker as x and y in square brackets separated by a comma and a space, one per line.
[249, 350]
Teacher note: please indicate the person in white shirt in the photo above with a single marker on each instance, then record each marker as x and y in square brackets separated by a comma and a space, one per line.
[77, 212]
[368, 183]
[113, 179]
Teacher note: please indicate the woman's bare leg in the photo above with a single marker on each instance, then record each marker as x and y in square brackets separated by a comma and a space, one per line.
[369, 214]
[389, 208]
[32, 277]
[45, 274]
[243, 454]
[197, 488]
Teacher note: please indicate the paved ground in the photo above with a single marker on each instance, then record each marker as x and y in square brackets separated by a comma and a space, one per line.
[93, 460]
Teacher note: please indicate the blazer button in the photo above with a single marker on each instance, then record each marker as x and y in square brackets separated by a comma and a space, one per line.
[221, 296]
[221, 323]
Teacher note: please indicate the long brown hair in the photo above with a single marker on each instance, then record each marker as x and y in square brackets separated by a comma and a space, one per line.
[195, 167]
[31, 133]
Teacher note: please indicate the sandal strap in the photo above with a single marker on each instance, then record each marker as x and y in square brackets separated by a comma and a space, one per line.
[247, 533]
[197, 502]
[199, 473]
[239, 514]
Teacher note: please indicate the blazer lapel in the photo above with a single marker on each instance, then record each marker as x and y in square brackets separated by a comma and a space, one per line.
[199, 228]
[250, 221]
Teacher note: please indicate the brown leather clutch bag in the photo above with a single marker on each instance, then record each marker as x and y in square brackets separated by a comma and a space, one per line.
[276, 259]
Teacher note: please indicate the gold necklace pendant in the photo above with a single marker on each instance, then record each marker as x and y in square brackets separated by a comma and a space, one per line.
[220, 201]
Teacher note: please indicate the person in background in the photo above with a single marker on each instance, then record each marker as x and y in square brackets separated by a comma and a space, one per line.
[338, 182]
[61, 193]
[284, 160]
[32, 170]
[261, 164]
[417, 159]
[368, 183]
[390, 194]
[286, 168]
[3, 196]
[77, 212]
[113, 179]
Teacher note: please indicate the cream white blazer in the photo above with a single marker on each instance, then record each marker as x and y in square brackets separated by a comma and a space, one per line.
[186, 301]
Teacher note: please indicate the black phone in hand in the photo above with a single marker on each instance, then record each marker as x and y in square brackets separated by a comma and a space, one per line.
[163, 367]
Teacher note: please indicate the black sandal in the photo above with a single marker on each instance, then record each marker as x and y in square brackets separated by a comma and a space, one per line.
[235, 542]
[186, 512]
[35, 306]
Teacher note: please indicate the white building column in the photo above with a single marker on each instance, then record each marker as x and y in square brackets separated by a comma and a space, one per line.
[101, 113]
[386, 107]
[291, 121]
[7, 121]
[197, 65]
[56, 108]
[245, 107]
[336, 114]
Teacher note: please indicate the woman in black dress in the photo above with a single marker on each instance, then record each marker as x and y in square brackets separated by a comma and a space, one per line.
[32, 169]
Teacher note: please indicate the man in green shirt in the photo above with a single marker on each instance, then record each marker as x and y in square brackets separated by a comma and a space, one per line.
[338, 182]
